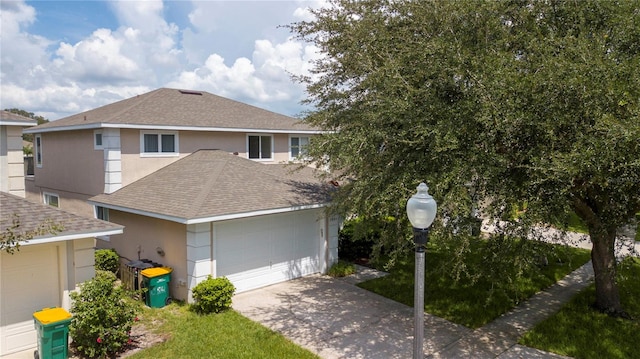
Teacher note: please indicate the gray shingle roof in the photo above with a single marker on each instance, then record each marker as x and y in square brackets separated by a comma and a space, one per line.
[166, 107]
[31, 215]
[15, 119]
[210, 183]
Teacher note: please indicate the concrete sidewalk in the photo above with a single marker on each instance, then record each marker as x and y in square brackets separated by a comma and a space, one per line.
[336, 320]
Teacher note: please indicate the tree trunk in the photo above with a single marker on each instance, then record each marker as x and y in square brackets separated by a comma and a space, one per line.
[604, 267]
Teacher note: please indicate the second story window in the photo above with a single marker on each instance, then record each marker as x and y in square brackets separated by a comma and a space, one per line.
[260, 146]
[102, 213]
[158, 143]
[38, 149]
[97, 140]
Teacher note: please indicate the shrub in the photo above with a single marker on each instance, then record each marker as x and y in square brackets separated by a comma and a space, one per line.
[342, 269]
[213, 295]
[356, 240]
[107, 260]
[102, 316]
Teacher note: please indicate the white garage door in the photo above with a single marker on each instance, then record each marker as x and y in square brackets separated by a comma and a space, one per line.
[29, 281]
[265, 250]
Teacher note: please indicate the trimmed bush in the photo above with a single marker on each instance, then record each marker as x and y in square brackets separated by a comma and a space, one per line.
[213, 295]
[342, 269]
[102, 316]
[107, 260]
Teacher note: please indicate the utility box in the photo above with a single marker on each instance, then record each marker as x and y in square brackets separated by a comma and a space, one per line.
[157, 280]
[52, 326]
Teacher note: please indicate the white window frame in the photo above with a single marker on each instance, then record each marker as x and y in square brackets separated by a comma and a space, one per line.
[96, 134]
[105, 217]
[160, 153]
[37, 146]
[261, 158]
[46, 199]
[301, 154]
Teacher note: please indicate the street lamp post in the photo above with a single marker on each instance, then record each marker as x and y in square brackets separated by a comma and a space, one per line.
[421, 210]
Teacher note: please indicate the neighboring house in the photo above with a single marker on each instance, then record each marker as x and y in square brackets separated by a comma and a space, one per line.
[47, 267]
[102, 150]
[11, 155]
[198, 181]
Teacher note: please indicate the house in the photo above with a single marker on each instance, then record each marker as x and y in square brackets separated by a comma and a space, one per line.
[46, 267]
[104, 149]
[199, 181]
[215, 213]
[11, 155]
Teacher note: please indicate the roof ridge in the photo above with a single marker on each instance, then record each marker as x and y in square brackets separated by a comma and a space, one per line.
[209, 183]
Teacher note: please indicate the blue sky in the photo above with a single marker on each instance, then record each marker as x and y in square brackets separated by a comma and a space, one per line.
[63, 57]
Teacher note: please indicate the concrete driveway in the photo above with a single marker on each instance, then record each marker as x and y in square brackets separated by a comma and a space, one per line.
[335, 319]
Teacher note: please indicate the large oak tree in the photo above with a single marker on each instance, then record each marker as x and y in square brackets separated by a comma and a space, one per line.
[491, 103]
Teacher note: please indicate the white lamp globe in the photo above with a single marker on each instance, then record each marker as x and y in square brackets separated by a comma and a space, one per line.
[421, 208]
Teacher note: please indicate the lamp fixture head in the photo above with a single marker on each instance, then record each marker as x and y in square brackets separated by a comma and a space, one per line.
[421, 208]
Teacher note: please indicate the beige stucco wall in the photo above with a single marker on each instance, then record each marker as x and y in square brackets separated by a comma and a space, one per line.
[11, 161]
[135, 167]
[146, 235]
[70, 168]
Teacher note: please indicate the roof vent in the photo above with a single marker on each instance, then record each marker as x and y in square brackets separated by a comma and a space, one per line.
[187, 92]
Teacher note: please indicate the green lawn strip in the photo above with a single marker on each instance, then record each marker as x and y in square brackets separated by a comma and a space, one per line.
[224, 335]
[464, 302]
[579, 331]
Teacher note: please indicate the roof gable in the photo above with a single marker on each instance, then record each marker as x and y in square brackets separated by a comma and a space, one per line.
[167, 108]
[214, 183]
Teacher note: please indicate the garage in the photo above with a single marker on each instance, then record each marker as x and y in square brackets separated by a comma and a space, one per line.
[29, 281]
[259, 251]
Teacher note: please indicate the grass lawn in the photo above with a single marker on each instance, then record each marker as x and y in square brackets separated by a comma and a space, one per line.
[462, 302]
[579, 331]
[225, 335]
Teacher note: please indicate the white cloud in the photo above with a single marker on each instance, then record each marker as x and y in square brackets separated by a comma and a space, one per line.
[233, 49]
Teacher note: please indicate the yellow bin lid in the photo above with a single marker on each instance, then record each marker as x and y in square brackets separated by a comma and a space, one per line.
[154, 272]
[51, 315]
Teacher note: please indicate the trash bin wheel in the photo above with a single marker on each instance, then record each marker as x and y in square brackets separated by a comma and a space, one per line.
[168, 301]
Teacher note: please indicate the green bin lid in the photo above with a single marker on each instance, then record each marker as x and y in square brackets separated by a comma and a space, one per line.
[51, 315]
[155, 272]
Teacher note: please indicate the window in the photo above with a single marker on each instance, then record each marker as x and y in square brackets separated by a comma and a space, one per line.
[102, 213]
[51, 199]
[38, 148]
[260, 146]
[158, 143]
[97, 140]
[298, 146]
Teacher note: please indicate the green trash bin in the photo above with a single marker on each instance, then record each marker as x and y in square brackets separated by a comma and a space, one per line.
[52, 326]
[156, 280]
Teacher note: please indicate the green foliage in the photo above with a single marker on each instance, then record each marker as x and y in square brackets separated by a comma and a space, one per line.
[213, 295]
[107, 260]
[13, 235]
[570, 331]
[342, 269]
[488, 102]
[39, 120]
[484, 288]
[102, 316]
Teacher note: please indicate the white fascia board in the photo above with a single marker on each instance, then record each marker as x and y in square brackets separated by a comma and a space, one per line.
[226, 217]
[71, 236]
[89, 126]
[223, 217]
[17, 123]
[171, 128]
